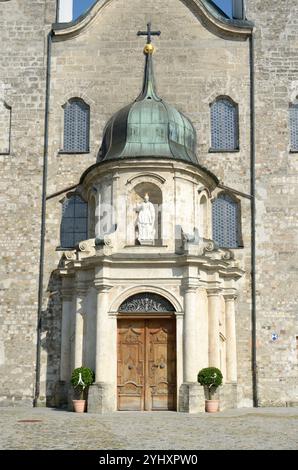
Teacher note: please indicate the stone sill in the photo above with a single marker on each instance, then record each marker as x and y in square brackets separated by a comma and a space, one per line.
[64, 152]
[211, 150]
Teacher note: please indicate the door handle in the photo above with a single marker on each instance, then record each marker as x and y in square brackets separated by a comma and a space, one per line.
[155, 365]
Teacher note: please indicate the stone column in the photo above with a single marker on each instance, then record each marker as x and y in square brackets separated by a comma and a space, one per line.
[79, 326]
[231, 352]
[102, 394]
[189, 334]
[65, 334]
[102, 333]
[214, 307]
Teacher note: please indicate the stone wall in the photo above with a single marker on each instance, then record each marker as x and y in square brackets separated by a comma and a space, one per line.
[23, 29]
[276, 51]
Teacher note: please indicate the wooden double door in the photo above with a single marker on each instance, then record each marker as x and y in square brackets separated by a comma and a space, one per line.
[146, 364]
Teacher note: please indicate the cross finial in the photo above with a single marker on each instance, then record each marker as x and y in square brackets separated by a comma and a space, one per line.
[149, 33]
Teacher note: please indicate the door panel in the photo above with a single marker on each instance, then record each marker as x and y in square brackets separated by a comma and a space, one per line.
[146, 364]
[131, 365]
[161, 364]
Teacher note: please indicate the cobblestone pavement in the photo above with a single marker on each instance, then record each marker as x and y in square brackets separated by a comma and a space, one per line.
[263, 428]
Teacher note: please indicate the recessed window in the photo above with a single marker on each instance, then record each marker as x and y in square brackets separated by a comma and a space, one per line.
[76, 126]
[224, 125]
[293, 118]
[5, 127]
[74, 223]
[226, 222]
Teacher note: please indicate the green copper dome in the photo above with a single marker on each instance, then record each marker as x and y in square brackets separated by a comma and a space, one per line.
[149, 127]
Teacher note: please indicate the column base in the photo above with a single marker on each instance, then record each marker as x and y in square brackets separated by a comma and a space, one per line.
[191, 398]
[101, 398]
[227, 394]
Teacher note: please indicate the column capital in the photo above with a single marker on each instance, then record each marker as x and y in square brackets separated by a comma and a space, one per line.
[80, 288]
[66, 294]
[214, 291]
[190, 285]
[102, 286]
[230, 294]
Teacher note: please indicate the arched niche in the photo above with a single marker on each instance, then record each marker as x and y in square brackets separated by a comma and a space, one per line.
[203, 217]
[137, 196]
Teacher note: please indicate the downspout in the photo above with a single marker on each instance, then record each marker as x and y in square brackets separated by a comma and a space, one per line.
[253, 223]
[43, 221]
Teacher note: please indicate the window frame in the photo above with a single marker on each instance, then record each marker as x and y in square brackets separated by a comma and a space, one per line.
[9, 108]
[63, 201]
[237, 125]
[293, 104]
[239, 237]
[64, 107]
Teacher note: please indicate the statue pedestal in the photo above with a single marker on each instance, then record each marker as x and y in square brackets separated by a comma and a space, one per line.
[146, 242]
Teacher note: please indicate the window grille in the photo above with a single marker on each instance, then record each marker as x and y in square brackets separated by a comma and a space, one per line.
[224, 125]
[76, 126]
[226, 222]
[294, 126]
[74, 222]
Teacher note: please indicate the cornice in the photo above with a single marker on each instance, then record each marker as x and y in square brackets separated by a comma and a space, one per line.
[226, 269]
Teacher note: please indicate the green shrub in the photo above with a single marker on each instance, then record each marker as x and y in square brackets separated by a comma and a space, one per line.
[210, 378]
[82, 378]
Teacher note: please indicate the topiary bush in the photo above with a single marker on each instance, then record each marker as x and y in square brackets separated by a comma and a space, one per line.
[210, 378]
[82, 378]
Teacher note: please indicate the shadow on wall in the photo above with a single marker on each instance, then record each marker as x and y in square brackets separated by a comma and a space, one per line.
[51, 323]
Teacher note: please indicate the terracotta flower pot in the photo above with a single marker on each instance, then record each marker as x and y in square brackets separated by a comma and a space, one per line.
[211, 406]
[79, 405]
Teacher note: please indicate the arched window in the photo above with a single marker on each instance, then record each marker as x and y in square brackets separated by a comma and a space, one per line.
[76, 126]
[293, 118]
[5, 126]
[226, 222]
[224, 125]
[74, 224]
[146, 302]
[91, 217]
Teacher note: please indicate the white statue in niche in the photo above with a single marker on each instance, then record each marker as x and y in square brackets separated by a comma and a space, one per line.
[146, 220]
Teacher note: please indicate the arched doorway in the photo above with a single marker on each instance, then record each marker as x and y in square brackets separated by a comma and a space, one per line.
[146, 343]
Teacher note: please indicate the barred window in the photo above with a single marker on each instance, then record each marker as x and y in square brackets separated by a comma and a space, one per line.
[76, 126]
[226, 222]
[293, 110]
[74, 221]
[224, 125]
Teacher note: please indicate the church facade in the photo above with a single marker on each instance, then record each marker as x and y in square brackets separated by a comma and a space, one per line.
[149, 203]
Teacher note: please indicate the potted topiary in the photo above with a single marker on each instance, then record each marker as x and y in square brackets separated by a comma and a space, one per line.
[81, 379]
[210, 378]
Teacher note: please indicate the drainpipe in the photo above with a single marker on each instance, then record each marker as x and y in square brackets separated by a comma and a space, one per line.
[253, 224]
[43, 220]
